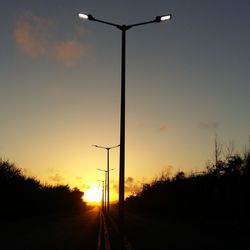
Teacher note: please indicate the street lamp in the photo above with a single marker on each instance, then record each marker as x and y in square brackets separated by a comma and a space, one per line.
[102, 194]
[107, 148]
[123, 28]
[105, 189]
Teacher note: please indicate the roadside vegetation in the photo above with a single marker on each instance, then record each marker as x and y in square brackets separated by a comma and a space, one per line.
[221, 192]
[25, 197]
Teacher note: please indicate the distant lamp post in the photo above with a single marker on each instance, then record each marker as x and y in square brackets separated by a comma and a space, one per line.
[107, 148]
[102, 194]
[123, 29]
[106, 192]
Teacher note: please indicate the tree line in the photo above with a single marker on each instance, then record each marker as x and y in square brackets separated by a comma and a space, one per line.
[222, 191]
[22, 196]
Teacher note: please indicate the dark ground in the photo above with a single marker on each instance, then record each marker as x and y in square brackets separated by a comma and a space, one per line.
[146, 233]
[62, 233]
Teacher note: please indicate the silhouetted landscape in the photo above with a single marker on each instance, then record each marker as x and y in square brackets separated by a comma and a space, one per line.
[37, 216]
[108, 113]
[207, 210]
[23, 197]
[221, 192]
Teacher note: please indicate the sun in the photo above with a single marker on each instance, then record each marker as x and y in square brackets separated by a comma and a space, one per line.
[93, 194]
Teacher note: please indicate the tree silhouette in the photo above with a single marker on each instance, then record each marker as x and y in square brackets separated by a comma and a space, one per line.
[22, 196]
[221, 192]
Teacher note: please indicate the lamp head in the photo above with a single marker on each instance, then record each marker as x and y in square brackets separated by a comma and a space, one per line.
[162, 18]
[85, 16]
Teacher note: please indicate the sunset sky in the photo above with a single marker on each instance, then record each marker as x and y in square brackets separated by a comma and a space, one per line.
[187, 80]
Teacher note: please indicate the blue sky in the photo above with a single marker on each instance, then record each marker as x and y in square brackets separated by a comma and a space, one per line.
[187, 80]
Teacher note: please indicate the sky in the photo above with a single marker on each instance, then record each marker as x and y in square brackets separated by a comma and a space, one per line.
[187, 81]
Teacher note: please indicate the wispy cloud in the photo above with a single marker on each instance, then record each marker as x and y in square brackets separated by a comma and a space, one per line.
[69, 52]
[208, 125]
[78, 178]
[163, 128]
[56, 178]
[32, 34]
[129, 180]
[131, 186]
[84, 187]
[36, 38]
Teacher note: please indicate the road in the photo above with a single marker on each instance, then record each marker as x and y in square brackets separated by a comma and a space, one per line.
[174, 234]
[68, 233]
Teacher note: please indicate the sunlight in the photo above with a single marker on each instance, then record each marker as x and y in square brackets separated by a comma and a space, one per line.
[93, 194]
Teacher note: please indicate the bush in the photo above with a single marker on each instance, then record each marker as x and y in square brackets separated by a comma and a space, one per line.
[22, 196]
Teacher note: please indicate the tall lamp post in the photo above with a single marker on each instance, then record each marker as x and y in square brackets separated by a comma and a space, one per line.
[123, 29]
[107, 148]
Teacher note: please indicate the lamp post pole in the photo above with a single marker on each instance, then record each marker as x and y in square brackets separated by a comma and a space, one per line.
[122, 130]
[123, 28]
[102, 194]
[108, 149]
[106, 189]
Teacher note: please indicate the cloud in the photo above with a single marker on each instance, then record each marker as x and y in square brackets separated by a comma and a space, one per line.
[36, 39]
[51, 170]
[57, 178]
[132, 187]
[69, 52]
[115, 187]
[84, 187]
[163, 128]
[208, 125]
[129, 180]
[32, 34]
